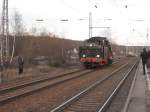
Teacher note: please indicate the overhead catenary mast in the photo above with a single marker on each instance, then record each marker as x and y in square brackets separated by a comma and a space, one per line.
[4, 37]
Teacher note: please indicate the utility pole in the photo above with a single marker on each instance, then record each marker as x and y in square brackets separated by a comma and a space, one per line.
[90, 24]
[4, 37]
[4, 40]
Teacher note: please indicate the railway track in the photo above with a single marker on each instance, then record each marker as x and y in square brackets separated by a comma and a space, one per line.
[34, 81]
[14, 91]
[96, 97]
[9, 93]
[120, 100]
[30, 81]
[26, 82]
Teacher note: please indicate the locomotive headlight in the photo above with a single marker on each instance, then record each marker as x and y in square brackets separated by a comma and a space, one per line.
[97, 56]
[83, 56]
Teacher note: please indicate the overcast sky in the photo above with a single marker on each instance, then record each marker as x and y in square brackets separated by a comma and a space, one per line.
[125, 25]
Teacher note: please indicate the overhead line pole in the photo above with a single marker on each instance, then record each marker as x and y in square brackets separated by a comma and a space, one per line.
[90, 24]
[4, 38]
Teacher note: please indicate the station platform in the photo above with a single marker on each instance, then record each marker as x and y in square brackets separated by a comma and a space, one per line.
[139, 96]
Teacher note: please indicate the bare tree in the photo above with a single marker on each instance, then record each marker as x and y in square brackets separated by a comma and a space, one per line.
[17, 25]
[43, 32]
[33, 30]
[18, 29]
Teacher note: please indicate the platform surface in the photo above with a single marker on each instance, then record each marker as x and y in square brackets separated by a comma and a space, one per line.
[139, 101]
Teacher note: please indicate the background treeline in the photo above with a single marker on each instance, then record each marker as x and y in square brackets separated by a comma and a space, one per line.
[56, 50]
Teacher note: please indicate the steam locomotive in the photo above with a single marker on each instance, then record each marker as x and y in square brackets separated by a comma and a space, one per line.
[96, 51]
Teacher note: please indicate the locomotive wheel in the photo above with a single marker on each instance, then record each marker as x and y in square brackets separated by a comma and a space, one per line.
[109, 61]
[86, 66]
